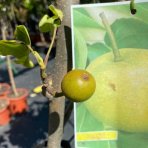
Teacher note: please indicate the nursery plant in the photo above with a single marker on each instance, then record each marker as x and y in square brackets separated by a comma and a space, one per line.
[17, 97]
[21, 48]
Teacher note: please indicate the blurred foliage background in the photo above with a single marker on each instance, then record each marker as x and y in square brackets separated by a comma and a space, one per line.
[27, 12]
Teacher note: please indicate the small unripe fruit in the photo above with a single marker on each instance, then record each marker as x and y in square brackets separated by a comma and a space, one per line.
[78, 85]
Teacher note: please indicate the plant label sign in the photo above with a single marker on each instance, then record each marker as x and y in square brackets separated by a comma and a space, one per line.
[112, 44]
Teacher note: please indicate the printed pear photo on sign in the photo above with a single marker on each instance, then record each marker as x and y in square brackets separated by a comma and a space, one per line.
[111, 44]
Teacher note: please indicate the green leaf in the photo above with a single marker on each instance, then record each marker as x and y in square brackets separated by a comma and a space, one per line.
[90, 29]
[25, 61]
[48, 23]
[28, 4]
[87, 123]
[132, 140]
[22, 34]
[17, 49]
[97, 49]
[80, 50]
[91, 35]
[39, 59]
[142, 12]
[129, 33]
[123, 11]
[83, 20]
[58, 13]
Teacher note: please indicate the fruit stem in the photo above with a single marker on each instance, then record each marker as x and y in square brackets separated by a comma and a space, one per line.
[117, 56]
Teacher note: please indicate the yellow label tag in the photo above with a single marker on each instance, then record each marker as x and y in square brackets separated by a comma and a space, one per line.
[95, 136]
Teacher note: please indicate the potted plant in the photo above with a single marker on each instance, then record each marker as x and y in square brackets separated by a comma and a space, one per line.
[16, 96]
[4, 111]
[18, 104]
[21, 48]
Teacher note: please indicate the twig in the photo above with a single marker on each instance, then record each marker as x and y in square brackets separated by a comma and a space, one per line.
[50, 47]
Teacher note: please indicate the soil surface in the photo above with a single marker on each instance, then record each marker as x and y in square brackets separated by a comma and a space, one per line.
[12, 95]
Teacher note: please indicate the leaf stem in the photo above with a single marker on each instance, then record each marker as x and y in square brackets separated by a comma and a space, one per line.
[50, 47]
[38, 57]
[115, 49]
[40, 62]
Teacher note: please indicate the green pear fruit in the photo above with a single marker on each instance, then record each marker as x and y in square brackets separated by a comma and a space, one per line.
[121, 96]
[78, 85]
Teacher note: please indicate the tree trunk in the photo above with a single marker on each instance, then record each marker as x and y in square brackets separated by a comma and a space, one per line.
[63, 46]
